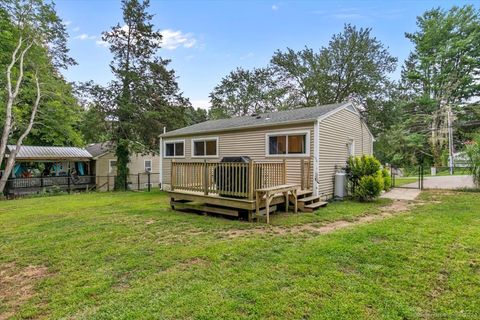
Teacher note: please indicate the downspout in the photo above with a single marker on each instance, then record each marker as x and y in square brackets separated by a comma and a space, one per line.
[316, 156]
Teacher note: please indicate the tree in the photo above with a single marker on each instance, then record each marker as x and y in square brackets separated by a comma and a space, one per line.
[300, 72]
[133, 46]
[353, 63]
[144, 98]
[443, 69]
[244, 92]
[35, 39]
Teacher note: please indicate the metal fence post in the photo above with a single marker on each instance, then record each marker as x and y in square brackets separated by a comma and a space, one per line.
[108, 182]
[138, 181]
[68, 183]
[148, 181]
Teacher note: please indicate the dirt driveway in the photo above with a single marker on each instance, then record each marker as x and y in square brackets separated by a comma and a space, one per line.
[445, 182]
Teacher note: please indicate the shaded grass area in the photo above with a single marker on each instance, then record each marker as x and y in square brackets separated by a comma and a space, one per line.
[128, 256]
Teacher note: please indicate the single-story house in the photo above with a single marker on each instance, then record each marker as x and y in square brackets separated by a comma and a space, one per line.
[104, 163]
[312, 142]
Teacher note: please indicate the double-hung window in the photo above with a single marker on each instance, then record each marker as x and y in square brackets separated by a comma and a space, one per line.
[174, 149]
[112, 166]
[148, 165]
[288, 144]
[205, 147]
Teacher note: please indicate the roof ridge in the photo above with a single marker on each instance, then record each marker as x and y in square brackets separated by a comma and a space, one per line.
[304, 114]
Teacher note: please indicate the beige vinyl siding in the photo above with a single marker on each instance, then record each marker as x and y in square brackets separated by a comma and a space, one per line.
[335, 132]
[136, 166]
[247, 143]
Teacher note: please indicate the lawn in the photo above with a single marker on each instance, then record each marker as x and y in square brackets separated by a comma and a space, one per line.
[401, 181]
[128, 256]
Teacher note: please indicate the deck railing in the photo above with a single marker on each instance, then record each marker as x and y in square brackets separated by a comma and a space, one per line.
[306, 174]
[227, 178]
[234, 179]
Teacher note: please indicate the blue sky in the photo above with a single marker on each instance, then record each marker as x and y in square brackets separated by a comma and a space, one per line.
[207, 39]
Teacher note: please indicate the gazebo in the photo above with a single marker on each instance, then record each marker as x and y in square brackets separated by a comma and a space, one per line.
[38, 168]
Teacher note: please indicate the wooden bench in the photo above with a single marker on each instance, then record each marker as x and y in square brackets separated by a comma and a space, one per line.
[269, 193]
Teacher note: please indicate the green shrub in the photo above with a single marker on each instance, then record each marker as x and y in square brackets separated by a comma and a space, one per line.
[369, 187]
[387, 179]
[365, 177]
[473, 153]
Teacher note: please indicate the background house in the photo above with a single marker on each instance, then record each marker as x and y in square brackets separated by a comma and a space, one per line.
[104, 163]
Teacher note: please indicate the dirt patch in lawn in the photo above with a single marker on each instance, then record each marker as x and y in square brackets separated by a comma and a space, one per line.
[17, 286]
[395, 208]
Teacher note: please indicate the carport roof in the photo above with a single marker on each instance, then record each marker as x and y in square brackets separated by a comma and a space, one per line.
[50, 153]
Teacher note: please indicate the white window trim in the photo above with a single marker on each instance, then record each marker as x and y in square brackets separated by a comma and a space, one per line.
[287, 133]
[110, 165]
[204, 139]
[351, 147]
[165, 149]
[145, 167]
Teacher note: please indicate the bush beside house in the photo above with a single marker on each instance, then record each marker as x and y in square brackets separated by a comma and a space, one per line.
[366, 177]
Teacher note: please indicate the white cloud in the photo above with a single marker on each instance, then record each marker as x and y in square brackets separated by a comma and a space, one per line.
[102, 43]
[173, 39]
[84, 36]
[275, 7]
[67, 23]
[202, 104]
[76, 29]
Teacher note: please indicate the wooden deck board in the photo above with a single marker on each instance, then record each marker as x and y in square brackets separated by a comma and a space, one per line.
[212, 199]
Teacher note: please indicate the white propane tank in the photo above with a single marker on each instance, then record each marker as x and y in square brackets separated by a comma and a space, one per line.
[340, 185]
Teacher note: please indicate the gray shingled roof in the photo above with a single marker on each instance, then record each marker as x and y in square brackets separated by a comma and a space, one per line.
[98, 149]
[50, 153]
[265, 119]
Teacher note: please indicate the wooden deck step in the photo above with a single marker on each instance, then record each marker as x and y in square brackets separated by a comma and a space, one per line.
[308, 199]
[316, 205]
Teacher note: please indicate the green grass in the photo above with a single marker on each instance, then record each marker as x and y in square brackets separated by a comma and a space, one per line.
[344, 210]
[128, 256]
[401, 181]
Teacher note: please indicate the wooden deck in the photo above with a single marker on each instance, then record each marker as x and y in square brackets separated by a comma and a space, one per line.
[217, 204]
[238, 189]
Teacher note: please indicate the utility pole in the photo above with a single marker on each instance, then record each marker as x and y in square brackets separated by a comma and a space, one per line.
[450, 139]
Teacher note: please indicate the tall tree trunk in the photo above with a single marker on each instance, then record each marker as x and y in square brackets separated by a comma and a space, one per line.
[11, 159]
[12, 93]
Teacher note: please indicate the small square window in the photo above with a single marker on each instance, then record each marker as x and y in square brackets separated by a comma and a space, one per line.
[112, 166]
[148, 165]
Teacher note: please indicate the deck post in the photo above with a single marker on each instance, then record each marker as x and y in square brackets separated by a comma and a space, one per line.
[251, 182]
[302, 174]
[205, 177]
[172, 176]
